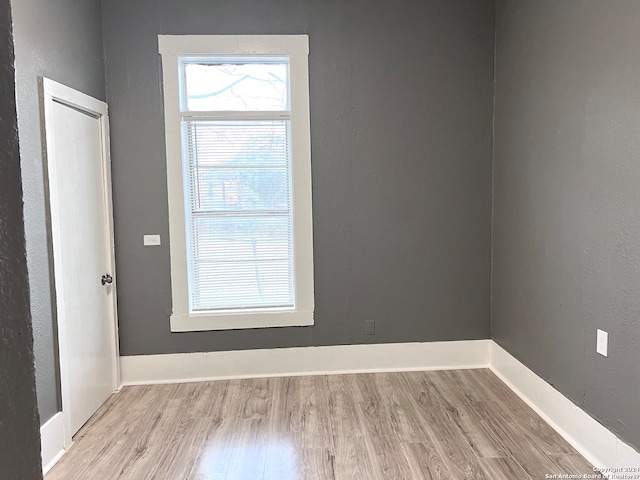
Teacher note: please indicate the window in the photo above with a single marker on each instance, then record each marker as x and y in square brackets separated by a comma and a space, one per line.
[239, 180]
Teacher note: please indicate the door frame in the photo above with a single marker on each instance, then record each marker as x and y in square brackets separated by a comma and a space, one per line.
[53, 92]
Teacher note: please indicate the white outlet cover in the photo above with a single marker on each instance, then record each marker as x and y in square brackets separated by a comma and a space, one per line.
[602, 345]
[151, 240]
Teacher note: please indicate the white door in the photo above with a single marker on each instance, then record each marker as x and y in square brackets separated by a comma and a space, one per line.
[79, 186]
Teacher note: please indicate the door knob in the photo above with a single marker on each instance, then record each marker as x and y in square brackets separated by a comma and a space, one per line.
[106, 278]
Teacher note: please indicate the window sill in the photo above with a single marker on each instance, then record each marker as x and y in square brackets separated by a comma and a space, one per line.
[201, 323]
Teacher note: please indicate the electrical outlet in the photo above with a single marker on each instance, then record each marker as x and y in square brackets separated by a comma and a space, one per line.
[602, 345]
[370, 328]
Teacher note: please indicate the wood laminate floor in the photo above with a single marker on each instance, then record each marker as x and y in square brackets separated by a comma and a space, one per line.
[461, 424]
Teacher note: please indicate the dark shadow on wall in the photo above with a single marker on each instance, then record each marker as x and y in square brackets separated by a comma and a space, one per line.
[19, 424]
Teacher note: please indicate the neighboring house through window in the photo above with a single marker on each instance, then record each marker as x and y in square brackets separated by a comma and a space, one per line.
[239, 180]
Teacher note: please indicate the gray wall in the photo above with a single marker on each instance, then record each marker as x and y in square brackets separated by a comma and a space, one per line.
[566, 223]
[62, 40]
[401, 123]
[19, 432]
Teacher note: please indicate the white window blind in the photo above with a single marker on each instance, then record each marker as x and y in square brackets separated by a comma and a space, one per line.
[238, 187]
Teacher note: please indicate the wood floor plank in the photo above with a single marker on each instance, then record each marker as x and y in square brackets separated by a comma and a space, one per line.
[456, 389]
[478, 390]
[288, 461]
[474, 430]
[352, 460]
[179, 455]
[285, 456]
[313, 421]
[285, 408]
[249, 450]
[387, 456]
[504, 469]
[374, 418]
[235, 399]
[319, 464]
[572, 464]
[210, 398]
[339, 383]
[425, 462]
[365, 389]
[421, 387]
[257, 397]
[215, 454]
[515, 440]
[343, 414]
[206, 476]
[401, 413]
[456, 453]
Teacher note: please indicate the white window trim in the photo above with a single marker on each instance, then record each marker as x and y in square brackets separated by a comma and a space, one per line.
[296, 47]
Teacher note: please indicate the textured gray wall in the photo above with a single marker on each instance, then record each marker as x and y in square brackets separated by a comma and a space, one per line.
[62, 40]
[567, 199]
[19, 430]
[401, 123]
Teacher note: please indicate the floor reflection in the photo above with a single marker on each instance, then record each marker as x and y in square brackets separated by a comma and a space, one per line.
[278, 457]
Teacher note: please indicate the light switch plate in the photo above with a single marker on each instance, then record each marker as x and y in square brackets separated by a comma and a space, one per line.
[151, 240]
[602, 345]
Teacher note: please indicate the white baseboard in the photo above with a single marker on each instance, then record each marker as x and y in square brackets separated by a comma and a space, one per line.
[280, 362]
[595, 442]
[52, 441]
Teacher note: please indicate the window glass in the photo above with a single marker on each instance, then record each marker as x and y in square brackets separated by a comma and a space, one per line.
[236, 86]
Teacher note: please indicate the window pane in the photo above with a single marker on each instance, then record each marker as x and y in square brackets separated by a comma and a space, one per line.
[237, 86]
[238, 165]
[241, 262]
